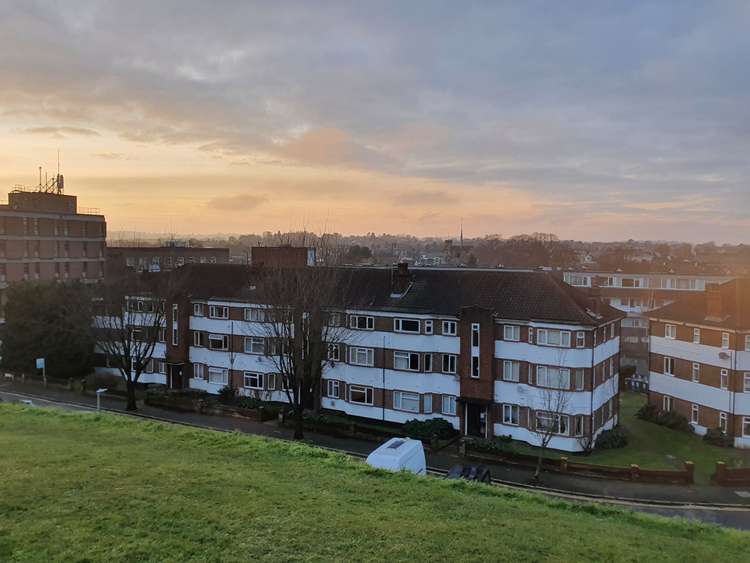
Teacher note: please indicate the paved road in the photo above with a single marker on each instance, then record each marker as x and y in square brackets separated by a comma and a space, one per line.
[735, 517]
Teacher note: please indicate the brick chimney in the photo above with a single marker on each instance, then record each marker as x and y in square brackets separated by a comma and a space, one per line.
[714, 305]
[401, 280]
[595, 296]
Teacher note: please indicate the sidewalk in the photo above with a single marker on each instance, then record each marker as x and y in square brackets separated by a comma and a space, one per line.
[441, 460]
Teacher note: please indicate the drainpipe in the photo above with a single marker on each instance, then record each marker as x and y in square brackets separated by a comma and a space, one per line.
[591, 394]
[383, 377]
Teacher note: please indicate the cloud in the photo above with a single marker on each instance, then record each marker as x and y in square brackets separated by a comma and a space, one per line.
[109, 155]
[237, 203]
[61, 132]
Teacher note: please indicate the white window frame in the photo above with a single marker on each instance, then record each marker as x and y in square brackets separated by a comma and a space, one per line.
[197, 339]
[580, 339]
[450, 328]
[580, 379]
[475, 335]
[401, 356]
[249, 376]
[511, 371]
[746, 382]
[724, 379]
[696, 372]
[199, 371]
[725, 341]
[356, 360]
[368, 392]
[333, 352]
[543, 337]
[512, 333]
[254, 315]
[427, 362]
[695, 414]
[696, 335]
[508, 411]
[354, 321]
[670, 331]
[333, 389]
[448, 405]
[723, 422]
[254, 342]
[197, 309]
[544, 375]
[747, 343]
[668, 366]
[400, 396]
[398, 325]
[476, 367]
[428, 326]
[224, 338]
[224, 375]
[667, 403]
[557, 421]
[427, 403]
[746, 426]
[452, 360]
[218, 312]
[175, 330]
[612, 330]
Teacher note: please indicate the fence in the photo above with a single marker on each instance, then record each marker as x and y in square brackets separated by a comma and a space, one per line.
[731, 477]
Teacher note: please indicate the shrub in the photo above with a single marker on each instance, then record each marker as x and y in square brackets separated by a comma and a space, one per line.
[227, 395]
[611, 439]
[248, 402]
[719, 438]
[426, 429]
[497, 445]
[671, 419]
[648, 412]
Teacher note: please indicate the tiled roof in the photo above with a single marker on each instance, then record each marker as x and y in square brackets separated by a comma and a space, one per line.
[510, 294]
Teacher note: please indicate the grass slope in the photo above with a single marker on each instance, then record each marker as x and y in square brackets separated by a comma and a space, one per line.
[105, 487]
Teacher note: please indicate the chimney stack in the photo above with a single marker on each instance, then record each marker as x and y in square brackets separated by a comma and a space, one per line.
[401, 280]
[714, 305]
[595, 296]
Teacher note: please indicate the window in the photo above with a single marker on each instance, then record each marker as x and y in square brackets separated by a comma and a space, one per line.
[406, 361]
[723, 422]
[746, 425]
[449, 363]
[725, 340]
[668, 365]
[579, 426]
[667, 403]
[427, 366]
[218, 312]
[531, 335]
[334, 352]
[270, 381]
[554, 423]
[332, 389]
[218, 342]
[427, 403]
[199, 371]
[449, 405]
[475, 367]
[696, 372]
[512, 332]
[747, 343]
[724, 379]
[428, 327]
[746, 382]
[695, 413]
[254, 345]
[611, 367]
[696, 336]
[218, 376]
[670, 331]
[198, 309]
[162, 334]
[360, 395]
[580, 381]
[612, 330]
[510, 414]
[175, 333]
[475, 335]
[197, 338]
[361, 322]
[406, 325]
[553, 377]
[580, 339]
[361, 356]
[252, 380]
[255, 315]
[449, 328]
[549, 337]
[334, 319]
[403, 401]
[162, 366]
[511, 370]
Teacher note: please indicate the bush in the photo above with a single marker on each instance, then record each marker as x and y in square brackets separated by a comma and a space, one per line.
[717, 437]
[671, 419]
[611, 439]
[248, 402]
[497, 445]
[648, 412]
[426, 429]
[227, 395]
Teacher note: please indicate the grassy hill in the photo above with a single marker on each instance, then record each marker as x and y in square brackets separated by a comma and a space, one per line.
[90, 487]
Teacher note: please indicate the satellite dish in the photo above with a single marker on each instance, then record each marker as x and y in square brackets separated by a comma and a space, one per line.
[724, 356]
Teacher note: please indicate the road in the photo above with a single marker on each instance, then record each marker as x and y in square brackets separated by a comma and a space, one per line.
[733, 517]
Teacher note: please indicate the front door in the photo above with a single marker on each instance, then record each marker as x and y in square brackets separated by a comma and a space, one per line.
[175, 376]
[476, 420]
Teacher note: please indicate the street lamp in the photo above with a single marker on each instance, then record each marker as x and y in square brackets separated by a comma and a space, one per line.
[99, 393]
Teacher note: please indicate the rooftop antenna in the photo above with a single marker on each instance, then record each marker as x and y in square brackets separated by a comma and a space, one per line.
[462, 233]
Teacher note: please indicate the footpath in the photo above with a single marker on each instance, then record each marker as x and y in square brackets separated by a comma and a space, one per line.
[445, 459]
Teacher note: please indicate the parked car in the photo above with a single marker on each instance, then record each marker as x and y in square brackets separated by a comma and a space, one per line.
[400, 454]
[470, 473]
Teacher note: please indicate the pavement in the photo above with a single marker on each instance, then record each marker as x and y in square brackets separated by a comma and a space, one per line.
[708, 503]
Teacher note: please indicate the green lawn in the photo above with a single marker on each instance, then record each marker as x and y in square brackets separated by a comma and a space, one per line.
[656, 447]
[87, 487]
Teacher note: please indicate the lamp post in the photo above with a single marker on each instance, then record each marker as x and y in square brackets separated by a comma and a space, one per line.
[99, 393]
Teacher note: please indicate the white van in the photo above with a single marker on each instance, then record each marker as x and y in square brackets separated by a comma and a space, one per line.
[399, 454]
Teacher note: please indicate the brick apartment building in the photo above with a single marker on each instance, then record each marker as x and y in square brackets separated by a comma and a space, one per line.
[700, 359]
[163, 258]
[636, 295]
[479, 348]
[45, 236]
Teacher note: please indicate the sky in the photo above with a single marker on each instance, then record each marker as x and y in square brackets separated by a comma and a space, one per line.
[593, 120]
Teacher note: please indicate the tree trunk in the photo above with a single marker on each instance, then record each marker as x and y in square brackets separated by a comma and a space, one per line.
[130, 387]
[537, 478]
[299, 426]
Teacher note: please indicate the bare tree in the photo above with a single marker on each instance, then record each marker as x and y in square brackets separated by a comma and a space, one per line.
[129, 324]
[303, 314]
[550, 420]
